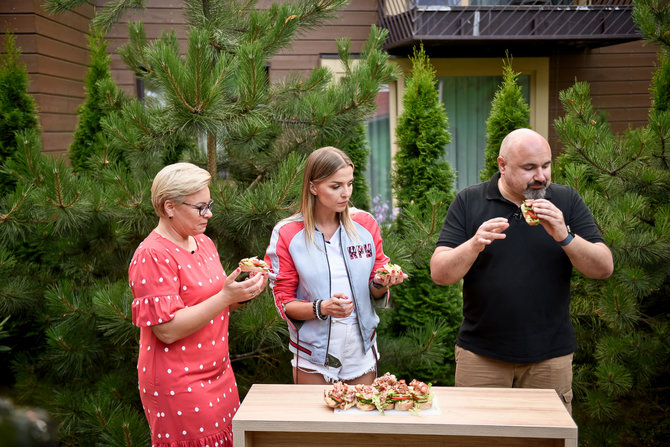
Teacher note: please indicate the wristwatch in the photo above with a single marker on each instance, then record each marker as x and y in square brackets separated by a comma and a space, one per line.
[377, 286]
[567, 239]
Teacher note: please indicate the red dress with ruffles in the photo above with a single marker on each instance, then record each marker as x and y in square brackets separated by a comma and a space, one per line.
[188, 389]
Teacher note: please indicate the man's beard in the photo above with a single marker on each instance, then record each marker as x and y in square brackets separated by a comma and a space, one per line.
[534, 194]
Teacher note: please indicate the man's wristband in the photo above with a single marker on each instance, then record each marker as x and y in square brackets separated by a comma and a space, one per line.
[567, 240]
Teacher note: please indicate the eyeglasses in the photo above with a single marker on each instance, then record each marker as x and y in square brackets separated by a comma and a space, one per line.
[202, 208]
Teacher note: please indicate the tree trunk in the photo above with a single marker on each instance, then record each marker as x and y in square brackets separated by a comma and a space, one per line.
[211, 154]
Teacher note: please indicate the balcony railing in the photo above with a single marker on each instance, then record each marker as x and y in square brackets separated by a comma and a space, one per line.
[591, 23]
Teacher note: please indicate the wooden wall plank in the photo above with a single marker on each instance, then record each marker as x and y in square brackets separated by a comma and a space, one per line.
[618, 77]
[60, 31]
[157, 16]
[56, 143]
[152, 30]
[598, 74]
[56, 86]
[314, 47]
[18, 23]
[609, 60]
[58, 122]
[618, 87]
[17, 6]
[60, 49]
[27, 43]
[47, 103]
[54, 67]
[299, 62]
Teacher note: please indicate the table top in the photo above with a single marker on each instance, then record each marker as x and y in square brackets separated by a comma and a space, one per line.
[518, 412]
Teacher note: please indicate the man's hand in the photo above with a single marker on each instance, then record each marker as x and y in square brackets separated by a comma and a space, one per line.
[488, 232]
[551, 218]
[449, 265]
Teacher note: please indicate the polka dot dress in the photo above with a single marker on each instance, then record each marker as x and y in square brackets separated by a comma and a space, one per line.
[187, 388]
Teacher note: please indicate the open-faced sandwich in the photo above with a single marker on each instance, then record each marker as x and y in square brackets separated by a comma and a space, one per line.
[366, 397]
[254, 265]
[421, 394]
[385, 382]
[385, 393]
[529, 214]
[402, 396]
[389, 269]
[340, 396]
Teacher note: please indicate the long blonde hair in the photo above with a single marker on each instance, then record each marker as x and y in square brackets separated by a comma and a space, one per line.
[320, 165]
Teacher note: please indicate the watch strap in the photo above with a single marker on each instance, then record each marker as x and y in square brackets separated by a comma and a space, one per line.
[567, 240]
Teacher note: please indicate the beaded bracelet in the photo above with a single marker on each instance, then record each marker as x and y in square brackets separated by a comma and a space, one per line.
[317, 310]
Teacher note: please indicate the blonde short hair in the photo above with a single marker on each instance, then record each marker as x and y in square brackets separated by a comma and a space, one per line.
[176, 181]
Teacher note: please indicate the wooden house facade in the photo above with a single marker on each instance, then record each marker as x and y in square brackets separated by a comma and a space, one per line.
[549, 54]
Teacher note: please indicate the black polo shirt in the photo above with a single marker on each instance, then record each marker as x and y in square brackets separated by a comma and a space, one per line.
[516, 295]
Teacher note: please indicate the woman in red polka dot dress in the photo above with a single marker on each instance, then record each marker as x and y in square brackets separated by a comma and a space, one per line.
[182, 300]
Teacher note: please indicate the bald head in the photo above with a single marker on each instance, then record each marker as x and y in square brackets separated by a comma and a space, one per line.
[522, 138]
[525, 165]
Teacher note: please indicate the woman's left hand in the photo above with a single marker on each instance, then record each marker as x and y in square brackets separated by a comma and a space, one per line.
[389, 280]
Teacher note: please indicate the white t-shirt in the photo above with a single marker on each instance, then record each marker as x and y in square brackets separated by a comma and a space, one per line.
[339, 280]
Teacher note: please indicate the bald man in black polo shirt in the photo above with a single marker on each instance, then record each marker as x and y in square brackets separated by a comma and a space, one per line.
[516, 329]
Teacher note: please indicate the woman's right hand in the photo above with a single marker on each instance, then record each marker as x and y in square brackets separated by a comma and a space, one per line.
[240, 291]
[338, 306]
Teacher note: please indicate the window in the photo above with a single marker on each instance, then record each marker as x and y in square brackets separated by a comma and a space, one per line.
[467, 102]
[466, 89]
[456, 79]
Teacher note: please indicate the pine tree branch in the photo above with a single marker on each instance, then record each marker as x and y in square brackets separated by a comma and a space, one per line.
[241, 114]
[614, 171]
[318, 7]
[279, 34]
[67, 304]
[101, 418]
[286, 190]
[198, 74]
[112, 11]
[253, 80]
[59, 193]
[662, 154]
[293, 120]
[31, 166]
[123, 138]
[4, 217]
[433, 218]
[258, 178]
[628, 248]
[430, 341]
[135, 202]
[214, 87]
[256, 353]
[419, 224]
[126, 435]
[177, 90]
[63, 344]
[119, 312]
[631, 160]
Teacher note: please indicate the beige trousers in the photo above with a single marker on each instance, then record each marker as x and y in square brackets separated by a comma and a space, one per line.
[479, 371]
